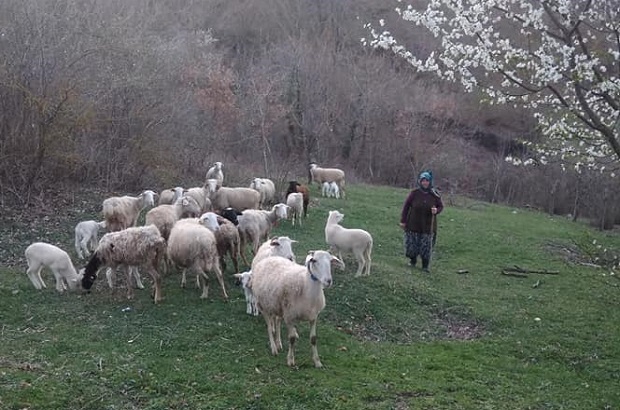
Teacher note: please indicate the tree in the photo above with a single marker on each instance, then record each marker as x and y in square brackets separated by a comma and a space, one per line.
[558, 58]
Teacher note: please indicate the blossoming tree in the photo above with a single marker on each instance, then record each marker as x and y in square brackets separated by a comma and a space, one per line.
[558, 58]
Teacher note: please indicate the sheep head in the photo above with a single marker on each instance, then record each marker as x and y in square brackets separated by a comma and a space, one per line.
[334, 217]
[319, 264]
[209, 220]
[282, 246]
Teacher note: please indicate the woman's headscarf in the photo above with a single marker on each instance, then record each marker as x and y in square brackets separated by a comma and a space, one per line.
[428, 175]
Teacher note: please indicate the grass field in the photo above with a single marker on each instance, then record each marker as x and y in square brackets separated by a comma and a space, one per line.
[399, 339]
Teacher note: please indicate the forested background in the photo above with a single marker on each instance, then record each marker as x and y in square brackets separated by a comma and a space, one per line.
[125, 95]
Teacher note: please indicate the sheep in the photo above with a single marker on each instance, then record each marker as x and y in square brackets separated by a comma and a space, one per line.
[295, 201]
[41, 255]
[192, 245]
[321, 175]
[250, 302]
[334, 190]
[170, 196]
[231, 214]
[123, 212]
[86, 237]
[238, 198]
[132, 247]
[192, 208]
[215, 172]
[357, 241]
[276, 246]
[165, 216]
[287, 291]
[294, 186]
[255, 226]
[201, 196]
[267, 190]
[325, 189]
[228, 241]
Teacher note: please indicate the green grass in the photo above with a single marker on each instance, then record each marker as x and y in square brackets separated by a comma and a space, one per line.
[395, 340]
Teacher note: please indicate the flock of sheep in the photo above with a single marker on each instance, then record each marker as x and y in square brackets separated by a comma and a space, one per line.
[195, 229]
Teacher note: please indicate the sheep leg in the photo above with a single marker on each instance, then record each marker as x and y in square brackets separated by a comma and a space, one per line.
[34, 274]
[136, 275]
[360, 264]
[315, 351]
[368, 260]
[183, 278]
[270, 332]
[278, 327]
[78, 250]
[292, 338]
[203, 278]
[220, 279]
[156, 283]
[60, 286]
[129, 287]
[109, 274]
[234, 255]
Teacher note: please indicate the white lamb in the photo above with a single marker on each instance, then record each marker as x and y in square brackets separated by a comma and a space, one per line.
[334, 190]
[356, 241]
[287, 291]
[86, 237]
[267, 190]
[255, 226]
[215, 172]
[170, 196]
[41, 255]
[122, 212]
[192, 246]
[129, 248]
[325, 189]
[321, 175]
[295, 202]
[250, 301]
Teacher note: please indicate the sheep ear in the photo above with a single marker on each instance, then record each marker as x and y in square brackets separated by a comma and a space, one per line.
[311, 253]
[275, 242]
[337, 262]
[237, 275]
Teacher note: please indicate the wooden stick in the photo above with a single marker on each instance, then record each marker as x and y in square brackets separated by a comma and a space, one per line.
[515, 274]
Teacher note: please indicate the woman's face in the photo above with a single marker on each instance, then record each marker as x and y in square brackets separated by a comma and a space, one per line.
[424, 183]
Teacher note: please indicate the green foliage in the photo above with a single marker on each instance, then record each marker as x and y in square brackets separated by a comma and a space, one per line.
[395, 340]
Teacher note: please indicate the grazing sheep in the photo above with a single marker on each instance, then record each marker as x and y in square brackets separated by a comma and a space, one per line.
[356, 241]
[295, 202]
[192, 246]
[165, 216]
[334, 190]
[231, 214]
[41, 255]
[255, 226]
[321, 175]
[294, 186]
[170, 196]
[250, 302]
[122, 212]
[287, 291]
[86, 237]
[267, 190]
[201, 196]
[215, 172]
[238, 198]
[130, 248]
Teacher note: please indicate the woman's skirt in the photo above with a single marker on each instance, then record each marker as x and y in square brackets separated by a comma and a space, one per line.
[418, 244]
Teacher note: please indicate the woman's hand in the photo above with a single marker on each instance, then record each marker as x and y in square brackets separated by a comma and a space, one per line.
[402, 225]
[434, 210]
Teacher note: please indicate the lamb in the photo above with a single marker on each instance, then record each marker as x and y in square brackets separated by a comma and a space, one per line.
[228, 241]
[238, 198]
[295, 201]
[255, 226]
[334, 190]
[123, 212]
[165, 216]
[41, 255]
[325, 189]
[321, 175]
[357, 241]
[86, 237]
[192, 245]
[287, 291]
[250, 302]
[170, 196]
[130, 248]
[215, 172]
[267, 190]
[294, 186]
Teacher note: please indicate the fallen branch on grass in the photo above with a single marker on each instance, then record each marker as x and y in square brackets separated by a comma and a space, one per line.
[517, 269]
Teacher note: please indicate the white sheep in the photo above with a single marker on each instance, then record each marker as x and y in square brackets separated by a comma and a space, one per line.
[170, 196]
[86, 237]
[295, 202]
[255, 226]
[321, 175]
[267, 190]
[41, 255]
[356, 241]
[250, 301]
[201, 196]
[192, 246]
[215, 172]
[325, 189]
[228, 242]
[287, 291]
[165, 216]
[334, 190]
[122, 212]
[129, 248]
[238, 198]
